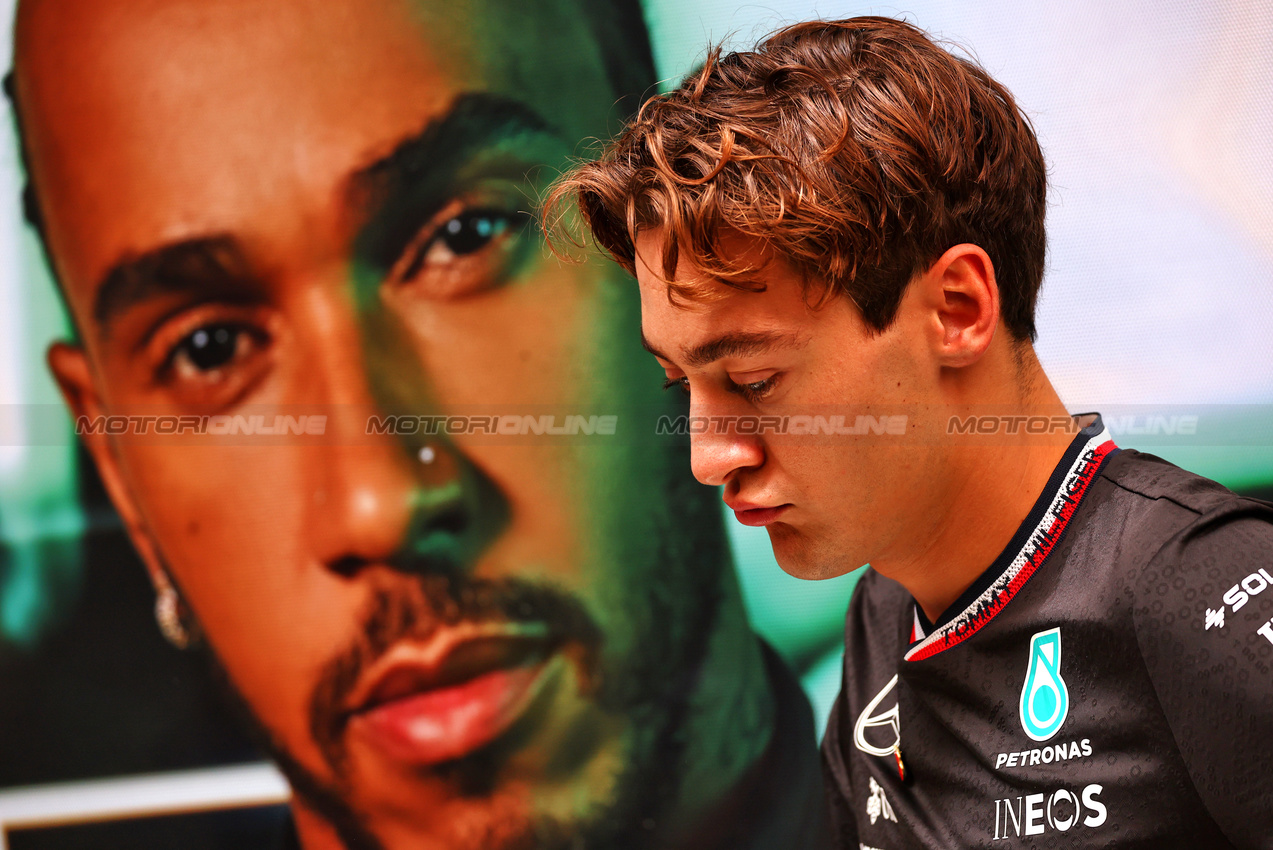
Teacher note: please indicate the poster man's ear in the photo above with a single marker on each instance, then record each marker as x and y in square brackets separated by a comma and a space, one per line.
[74, 375]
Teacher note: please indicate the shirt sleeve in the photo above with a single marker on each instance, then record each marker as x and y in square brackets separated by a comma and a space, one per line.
[1202, 614]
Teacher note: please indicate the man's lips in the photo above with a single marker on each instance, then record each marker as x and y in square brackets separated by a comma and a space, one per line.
[752, 514]
[431, 702]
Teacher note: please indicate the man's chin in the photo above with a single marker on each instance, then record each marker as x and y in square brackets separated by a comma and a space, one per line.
[804, 556]
[567, 774]
[598, 787]
[411, 808]
[791, 551]
[466, 804]
[500, 821]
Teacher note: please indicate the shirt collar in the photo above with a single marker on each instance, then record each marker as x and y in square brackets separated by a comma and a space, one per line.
[1034, 540]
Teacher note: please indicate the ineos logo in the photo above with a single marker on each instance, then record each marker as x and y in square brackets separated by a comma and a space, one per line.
[1035, 814]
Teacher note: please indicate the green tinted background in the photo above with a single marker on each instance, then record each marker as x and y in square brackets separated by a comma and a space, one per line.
[1155, 123]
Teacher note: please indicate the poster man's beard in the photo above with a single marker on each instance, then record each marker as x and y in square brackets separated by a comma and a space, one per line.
[650, 689]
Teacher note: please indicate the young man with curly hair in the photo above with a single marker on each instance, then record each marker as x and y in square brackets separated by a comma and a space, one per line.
[839, 241]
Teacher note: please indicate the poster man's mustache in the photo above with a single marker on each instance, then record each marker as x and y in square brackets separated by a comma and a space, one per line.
[416, 609]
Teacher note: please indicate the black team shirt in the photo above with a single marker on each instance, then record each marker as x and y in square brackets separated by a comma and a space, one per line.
[1108, 681]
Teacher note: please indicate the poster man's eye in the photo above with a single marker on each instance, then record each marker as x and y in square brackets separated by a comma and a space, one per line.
[209, 348]
[466, 253]
[471, 231]
[208, 359]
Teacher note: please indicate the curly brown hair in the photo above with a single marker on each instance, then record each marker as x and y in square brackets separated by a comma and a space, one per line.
[858, 150]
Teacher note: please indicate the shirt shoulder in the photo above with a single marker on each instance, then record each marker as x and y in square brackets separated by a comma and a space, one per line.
[1148, 513]
[1202, 602]
[1177, 492]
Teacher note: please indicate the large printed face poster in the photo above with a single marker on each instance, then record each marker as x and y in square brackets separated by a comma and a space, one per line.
[328, 409]
[370, 452]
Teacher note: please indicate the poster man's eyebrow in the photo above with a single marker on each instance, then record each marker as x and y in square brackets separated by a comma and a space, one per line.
[474, 121]
[737, 344]
[207, 265]
[400, 191]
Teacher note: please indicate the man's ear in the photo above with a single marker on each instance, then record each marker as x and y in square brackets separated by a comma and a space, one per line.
[962, 298]
[70, 367]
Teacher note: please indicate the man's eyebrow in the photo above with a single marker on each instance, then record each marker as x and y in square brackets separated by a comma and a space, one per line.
[207, 265]
[399, 192]
[475, 120]
[645, 343]
[735, 344]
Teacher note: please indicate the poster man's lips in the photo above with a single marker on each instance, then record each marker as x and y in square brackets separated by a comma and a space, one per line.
[430, 702]
[451, 656]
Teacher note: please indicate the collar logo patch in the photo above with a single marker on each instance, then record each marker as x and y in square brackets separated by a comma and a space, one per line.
[1045, 701]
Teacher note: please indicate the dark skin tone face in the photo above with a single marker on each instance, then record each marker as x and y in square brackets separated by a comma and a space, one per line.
[326, 210]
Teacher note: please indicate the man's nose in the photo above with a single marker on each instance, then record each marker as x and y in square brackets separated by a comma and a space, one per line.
[416, 506]
[456, 512]
[719, 450]
[363, 505]
[389, 492]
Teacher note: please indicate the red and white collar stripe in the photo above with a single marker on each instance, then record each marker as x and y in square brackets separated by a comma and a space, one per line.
[1038, 545]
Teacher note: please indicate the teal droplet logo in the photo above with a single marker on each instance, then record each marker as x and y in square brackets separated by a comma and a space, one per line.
[1045, 701]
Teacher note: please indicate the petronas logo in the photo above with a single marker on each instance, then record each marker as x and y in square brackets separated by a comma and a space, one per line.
[1045, 701]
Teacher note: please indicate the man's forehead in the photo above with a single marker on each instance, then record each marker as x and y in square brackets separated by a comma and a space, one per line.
[180, 115]
[738, 249]
[694, 332]
[155, 35]
[700, 318]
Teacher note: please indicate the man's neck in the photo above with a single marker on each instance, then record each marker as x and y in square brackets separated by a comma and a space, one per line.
[995, 481]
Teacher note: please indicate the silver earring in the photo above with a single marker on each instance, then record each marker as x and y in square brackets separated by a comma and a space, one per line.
[169, 615]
